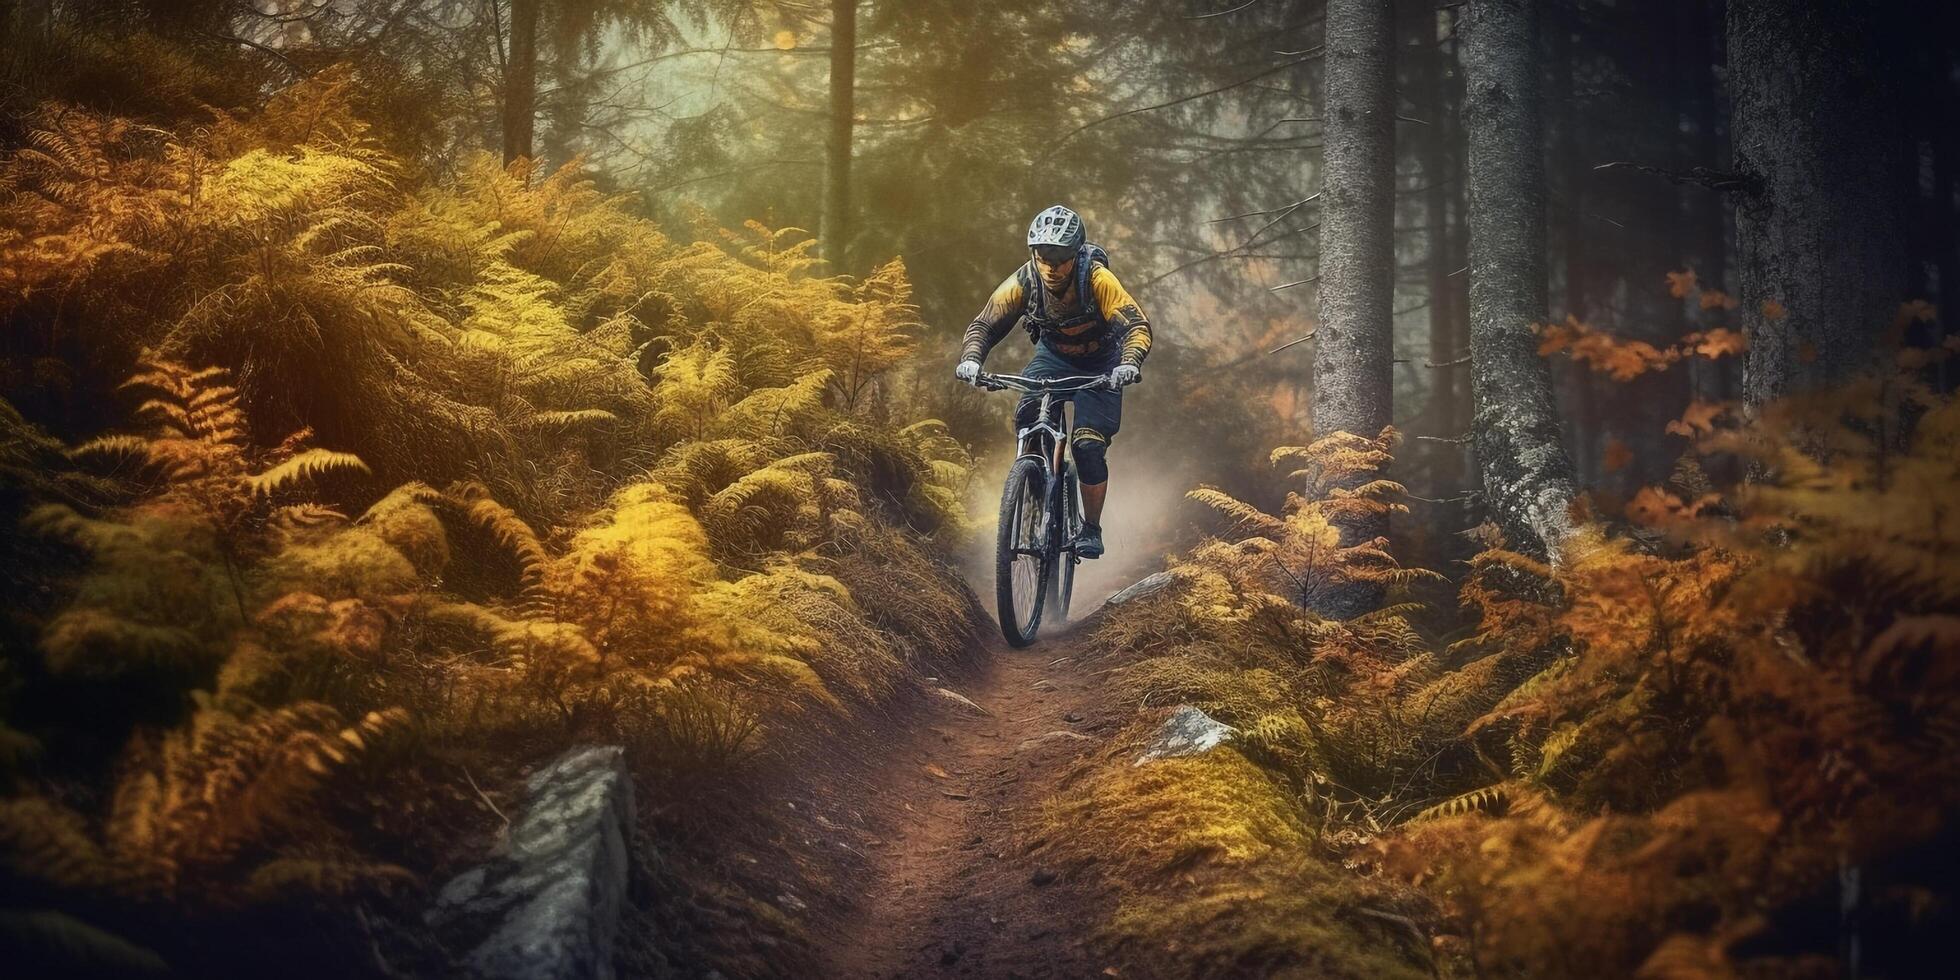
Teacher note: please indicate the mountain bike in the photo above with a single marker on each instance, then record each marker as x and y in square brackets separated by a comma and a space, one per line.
[1040, 509]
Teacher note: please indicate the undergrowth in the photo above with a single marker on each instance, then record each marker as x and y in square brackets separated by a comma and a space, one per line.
[1662, 756]
[419, 479]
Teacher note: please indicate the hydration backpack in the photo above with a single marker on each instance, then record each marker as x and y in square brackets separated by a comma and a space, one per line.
[1037, 319]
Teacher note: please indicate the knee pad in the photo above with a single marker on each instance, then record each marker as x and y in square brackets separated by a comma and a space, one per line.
[1090, 446]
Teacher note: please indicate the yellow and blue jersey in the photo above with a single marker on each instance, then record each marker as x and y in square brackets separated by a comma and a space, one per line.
[1067, 332]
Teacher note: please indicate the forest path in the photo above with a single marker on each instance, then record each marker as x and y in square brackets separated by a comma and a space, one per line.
[959, 887]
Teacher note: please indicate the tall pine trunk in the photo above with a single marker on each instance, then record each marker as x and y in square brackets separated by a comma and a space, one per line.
[1441, 191]
[521, 80]
[1819, 233]
[1527, 476]
[1353, 341]
[834, 233]
[1574, 382]
[1699, 48]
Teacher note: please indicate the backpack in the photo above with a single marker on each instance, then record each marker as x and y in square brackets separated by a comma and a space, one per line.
[1037, 319]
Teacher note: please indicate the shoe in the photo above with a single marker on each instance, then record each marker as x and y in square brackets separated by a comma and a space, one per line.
[1089, 544]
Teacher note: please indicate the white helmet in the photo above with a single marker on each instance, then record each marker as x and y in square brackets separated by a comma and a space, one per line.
[1056, 226]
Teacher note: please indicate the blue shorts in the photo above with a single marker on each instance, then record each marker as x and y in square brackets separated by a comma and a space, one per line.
[1098, 410]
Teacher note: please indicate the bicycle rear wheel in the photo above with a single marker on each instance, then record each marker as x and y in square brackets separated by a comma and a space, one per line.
[1061, 582]
[1020, 569]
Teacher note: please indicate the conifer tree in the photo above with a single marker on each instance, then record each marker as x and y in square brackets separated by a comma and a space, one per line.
[1527, 476]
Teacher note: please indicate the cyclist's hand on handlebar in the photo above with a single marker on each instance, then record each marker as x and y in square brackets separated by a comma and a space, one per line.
[1125, 374]
[968, 371]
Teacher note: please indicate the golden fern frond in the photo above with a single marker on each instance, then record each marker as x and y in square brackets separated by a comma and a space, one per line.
[1395, 614]
[1371, 489]
[1489, 799]
[63, 522]
[506, 526]
[340, 876]
[45, 841]
[521, 638]
[770, 411]
[137, 446]
[572, 419]
[169, 414]
[1511, 559]
[308, 465]
[1239, 511]
[95, 642]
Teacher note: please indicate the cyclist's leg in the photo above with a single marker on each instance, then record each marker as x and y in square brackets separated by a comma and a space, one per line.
[1098, 414]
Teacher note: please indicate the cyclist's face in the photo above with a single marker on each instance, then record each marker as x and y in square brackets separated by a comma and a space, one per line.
[1055, 263]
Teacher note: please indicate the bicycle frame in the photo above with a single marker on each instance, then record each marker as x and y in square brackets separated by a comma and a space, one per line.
[1048, 425]
[1047, 538]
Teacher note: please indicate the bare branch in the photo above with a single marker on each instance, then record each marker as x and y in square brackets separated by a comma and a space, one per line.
[1222, 13]
[1290, 343]
[1714, 180]
[1465, 495]
[1079, 130]
[275, 52]
[1284, 207]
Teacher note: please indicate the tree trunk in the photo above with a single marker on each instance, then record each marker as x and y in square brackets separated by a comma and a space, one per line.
[1527, 475]
[1573, 381]
[9, 41]
[1701, 38]
[1353, 340]
[834, 233]
[1439, 173]
[521, 80]
[1816, 126]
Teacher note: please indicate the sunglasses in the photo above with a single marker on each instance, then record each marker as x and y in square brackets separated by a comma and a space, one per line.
[1054, 254]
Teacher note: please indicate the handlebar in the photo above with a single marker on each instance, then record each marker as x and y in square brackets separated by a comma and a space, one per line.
[1015, 382]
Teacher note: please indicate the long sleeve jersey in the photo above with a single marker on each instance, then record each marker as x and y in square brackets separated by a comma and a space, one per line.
[1122, 319]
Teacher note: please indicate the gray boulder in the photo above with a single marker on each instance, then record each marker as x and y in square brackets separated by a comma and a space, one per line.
[1188, 731]
[549, 908]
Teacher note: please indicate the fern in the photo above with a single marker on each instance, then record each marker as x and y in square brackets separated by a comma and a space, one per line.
[685, 449]
[308, 465]
[1490, 799]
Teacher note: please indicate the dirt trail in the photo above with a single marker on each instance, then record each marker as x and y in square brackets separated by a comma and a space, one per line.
[959, 887]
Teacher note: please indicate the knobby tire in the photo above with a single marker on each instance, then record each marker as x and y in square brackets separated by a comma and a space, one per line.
[1061, 580]
[1026, 483]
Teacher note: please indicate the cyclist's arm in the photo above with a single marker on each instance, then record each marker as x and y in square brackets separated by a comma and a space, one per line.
[1125, 317]
[1004, 307]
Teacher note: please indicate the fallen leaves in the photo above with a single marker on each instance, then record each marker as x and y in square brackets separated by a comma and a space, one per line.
[1624, 360]
[1699, 419]
[1916, 311]
[1716, 342]
[1655, 507]
[1618, 454]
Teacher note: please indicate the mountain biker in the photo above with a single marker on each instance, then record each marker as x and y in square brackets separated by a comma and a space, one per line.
[1082, 321]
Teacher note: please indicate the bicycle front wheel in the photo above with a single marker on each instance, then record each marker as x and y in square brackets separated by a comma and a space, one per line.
[1020, 566]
